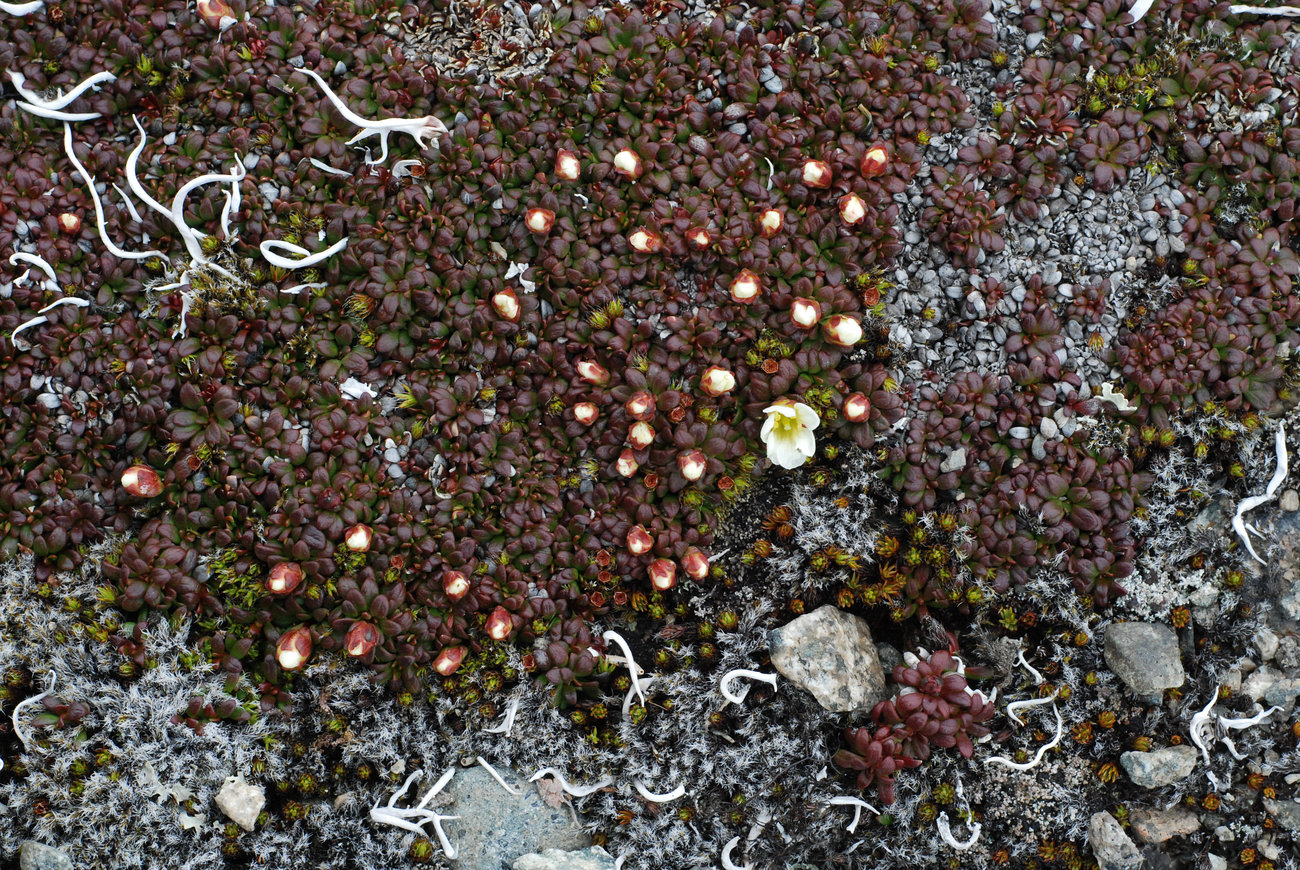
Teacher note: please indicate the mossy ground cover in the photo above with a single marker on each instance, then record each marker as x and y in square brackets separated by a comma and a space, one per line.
[512, 377]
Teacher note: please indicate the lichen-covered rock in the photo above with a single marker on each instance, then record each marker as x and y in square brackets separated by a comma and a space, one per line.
[241, 802]
[1145, 657]
[1159, 768]
[1156, 826]
[1285, 813]
[593, 858]
[830, 654]
[1110, 845]
[495, 828]
[38, 856]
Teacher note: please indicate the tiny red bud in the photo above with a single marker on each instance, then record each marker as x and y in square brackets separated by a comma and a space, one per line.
[692, 464]
[294, 648]
[585, 413]
[627, 163]
[142, 481]
[455, 584]
[539, 220]
[857, 408]
[770, 223]
[805, 313]
[284, 578]
[695, 564]
[717, 381]
[842, 330]
[645, 241]
[506, 303]
[70, 223]
[699, 237]
[875, 161]
[626, 465]
[639, 541]
[816, 174]
[852, 208]
[663, 574]
[567, 166]
[449, 660]
[746, 286]
[641, 435]
[361, 638]
[592, 372]
[499, 624]
[358, 537]
[641, 406]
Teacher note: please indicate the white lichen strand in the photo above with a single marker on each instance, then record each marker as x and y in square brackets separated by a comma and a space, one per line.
[1290, 11]
[1024, 705]
[1020, 659]
[62, 101]
[133, 180]
[400, 817]
[858, 806]
[1208, 727]
[632, 667]
[19, 731]
[512, 708]
[727, 863]
[99, 206]
[725, 683]
[569, 788]
[21, 8]
[945, 834]
[658, 798]
[493, 771]
[418, 128]
[1248, 504]
[306, 258]
[1042, 750]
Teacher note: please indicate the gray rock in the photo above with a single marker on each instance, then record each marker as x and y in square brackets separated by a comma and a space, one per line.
[594, 858]
[1145, 657]
[1156, 826]
[1290, 501]
[495, 828]
[1285, 813]
[1217, 862]
[1110, 845]
[830, 654]
[1266, 641]
[1271, 686]
[1159, 768]
[241, 802]
[38, 856]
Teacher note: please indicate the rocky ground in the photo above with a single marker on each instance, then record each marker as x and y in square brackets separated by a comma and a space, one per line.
[1158, 731]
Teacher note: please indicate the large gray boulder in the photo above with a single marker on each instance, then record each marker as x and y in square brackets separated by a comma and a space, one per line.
[830, 654]
[1145, 657]
[496, 828]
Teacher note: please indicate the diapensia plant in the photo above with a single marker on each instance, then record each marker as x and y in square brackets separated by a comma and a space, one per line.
[472, 388]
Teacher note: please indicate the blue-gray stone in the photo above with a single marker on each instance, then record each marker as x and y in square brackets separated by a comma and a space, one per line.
[1145, 657]
[496, 828]
[38, 856]
[1159, 768]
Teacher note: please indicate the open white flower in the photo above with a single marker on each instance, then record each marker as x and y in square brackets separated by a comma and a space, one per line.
[788, 433]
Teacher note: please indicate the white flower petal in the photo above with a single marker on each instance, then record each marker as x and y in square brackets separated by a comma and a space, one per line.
[807, 416]
[805, 443]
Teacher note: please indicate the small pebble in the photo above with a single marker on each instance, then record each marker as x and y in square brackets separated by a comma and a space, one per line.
[38, 856]
[1290, 501]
